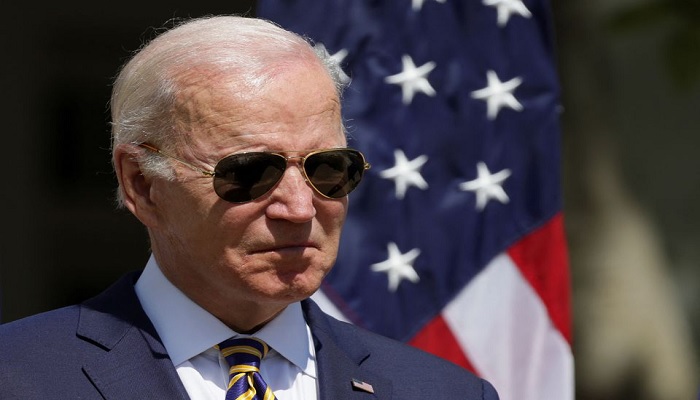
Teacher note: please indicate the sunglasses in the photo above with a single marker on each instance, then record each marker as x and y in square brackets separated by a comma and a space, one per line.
[243, 177]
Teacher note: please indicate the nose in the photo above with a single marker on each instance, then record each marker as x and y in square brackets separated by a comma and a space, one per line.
[292, 199]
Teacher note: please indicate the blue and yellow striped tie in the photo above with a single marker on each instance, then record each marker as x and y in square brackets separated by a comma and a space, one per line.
[245, 381]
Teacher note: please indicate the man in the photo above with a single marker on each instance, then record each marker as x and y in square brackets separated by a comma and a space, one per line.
[229, 147]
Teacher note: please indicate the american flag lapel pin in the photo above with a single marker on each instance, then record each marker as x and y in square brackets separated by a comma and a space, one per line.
[364, 386]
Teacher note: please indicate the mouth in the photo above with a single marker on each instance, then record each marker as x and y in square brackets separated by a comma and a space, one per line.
[290, 248]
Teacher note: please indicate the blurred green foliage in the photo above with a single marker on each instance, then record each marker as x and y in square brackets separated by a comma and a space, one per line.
[681, 46]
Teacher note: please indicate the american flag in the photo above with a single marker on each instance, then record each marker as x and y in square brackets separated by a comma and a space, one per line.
[455, 240]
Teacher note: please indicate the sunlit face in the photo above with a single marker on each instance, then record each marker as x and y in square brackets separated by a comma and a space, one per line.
[276, 249]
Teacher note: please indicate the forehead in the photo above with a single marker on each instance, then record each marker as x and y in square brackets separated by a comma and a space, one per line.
[289, 104]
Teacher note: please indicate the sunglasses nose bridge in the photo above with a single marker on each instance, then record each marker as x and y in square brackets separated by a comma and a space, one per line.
[298, 161]
[295, 159]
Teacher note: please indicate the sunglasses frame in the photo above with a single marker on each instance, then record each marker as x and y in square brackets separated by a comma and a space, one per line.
[302, 160]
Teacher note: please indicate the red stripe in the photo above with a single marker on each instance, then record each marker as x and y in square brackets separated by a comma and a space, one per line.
[437, 338]
[542, 258]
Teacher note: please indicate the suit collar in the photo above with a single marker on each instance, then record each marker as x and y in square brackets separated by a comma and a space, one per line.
[135, 363]
[340, 356]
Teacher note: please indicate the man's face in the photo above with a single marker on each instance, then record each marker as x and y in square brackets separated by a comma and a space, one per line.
[273, 250]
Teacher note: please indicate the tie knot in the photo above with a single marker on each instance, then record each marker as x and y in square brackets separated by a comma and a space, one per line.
[244, 351]
[243, 356]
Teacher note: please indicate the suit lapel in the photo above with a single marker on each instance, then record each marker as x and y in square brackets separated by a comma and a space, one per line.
[135, 363]
[339, 359]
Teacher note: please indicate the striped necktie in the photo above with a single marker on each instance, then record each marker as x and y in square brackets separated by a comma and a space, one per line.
[243, 356]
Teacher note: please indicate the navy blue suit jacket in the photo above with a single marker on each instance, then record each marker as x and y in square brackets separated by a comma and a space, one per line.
[107, 348]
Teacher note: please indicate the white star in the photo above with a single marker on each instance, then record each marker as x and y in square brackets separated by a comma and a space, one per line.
[507, 7]
[412, 79]
[406, 173]
[487, 186]
[339, 56]
[336, 58]
[398, 266]
[498, 94]
[418, 4]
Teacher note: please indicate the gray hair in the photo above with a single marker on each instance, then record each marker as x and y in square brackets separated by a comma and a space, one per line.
[144, 92]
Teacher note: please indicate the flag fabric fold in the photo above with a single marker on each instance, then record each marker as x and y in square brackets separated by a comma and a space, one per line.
[454, 242]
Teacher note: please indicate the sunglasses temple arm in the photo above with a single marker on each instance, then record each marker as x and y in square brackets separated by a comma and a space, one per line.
[183, 162]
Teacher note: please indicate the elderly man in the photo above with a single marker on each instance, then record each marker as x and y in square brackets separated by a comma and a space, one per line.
[229, 147]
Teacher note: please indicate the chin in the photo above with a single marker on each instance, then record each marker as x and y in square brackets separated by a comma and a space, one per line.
[299, 286]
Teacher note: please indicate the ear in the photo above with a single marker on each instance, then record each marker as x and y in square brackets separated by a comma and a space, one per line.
[135, 186]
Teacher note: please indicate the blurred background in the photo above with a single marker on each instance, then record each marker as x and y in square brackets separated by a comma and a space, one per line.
[630, 77]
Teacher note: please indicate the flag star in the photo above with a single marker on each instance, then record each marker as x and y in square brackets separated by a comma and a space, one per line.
[406, 173]
[507, 7]
[412, 79]
[398, 266]
[487, 186]
[338, 57]
[418, 4]
[498, 94]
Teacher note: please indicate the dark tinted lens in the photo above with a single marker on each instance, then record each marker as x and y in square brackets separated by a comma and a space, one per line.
[244, 177]
[335, 173]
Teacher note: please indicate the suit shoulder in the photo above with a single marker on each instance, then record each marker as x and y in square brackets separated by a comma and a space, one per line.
[40, 326]
[419, 374]
[398, 350]
[28, 340]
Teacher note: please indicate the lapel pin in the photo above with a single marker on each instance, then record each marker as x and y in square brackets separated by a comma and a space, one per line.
[364, 386]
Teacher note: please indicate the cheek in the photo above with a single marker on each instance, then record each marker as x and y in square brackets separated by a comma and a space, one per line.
[331, 216]
[202, 227]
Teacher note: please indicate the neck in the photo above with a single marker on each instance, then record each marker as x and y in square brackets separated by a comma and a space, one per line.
[250, 323]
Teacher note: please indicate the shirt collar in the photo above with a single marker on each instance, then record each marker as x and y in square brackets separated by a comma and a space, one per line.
[188, 330]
